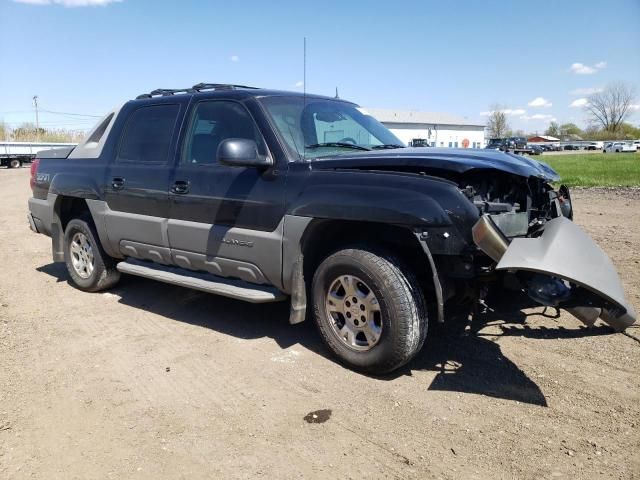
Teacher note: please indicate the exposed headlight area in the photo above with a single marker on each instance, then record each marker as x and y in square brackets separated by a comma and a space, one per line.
[516, 205]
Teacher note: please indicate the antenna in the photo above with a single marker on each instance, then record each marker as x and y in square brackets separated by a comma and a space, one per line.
[35, 104]
[337, 96]
[304, 92]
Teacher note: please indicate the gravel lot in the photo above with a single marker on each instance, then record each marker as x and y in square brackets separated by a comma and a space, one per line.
[155, 381]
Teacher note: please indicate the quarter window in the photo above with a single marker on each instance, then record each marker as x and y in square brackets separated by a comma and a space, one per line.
[147, 134]
[213, 122]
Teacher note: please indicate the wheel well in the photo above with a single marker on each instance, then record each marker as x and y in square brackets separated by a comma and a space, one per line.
[323, 237]
[70, 208]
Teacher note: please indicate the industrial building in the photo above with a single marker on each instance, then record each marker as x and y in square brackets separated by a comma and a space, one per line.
[542, 138]
[431, 128]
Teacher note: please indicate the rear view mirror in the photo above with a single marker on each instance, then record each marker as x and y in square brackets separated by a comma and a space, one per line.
[241, 152]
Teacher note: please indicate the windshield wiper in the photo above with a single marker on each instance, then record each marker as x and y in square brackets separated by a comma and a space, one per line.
[338, 144]
[387, 145]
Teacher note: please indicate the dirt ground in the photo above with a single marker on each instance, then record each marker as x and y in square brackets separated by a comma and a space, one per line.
[155, 381]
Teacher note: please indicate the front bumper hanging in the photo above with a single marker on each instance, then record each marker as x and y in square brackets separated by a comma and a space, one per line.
[563, 251]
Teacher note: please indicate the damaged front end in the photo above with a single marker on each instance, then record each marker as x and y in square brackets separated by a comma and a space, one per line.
[558, 264]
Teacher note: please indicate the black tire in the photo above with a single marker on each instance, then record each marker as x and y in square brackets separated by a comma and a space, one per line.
[402, 310]
[104, 274]
[14, 163]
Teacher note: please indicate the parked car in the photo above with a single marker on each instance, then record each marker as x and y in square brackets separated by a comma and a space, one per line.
[571, 147]
[535, 149]
[265, 196]
[619, 147]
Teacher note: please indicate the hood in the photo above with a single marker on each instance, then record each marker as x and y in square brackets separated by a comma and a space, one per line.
[451, 160]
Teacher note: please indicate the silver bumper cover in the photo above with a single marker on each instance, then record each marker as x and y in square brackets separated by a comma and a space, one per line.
[566, 252]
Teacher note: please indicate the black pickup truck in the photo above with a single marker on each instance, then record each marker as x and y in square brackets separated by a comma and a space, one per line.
[264, 195]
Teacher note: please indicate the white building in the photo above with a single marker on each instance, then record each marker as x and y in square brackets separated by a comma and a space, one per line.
[431, 129]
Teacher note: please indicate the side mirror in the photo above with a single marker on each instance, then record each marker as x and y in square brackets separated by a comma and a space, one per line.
[241, 152]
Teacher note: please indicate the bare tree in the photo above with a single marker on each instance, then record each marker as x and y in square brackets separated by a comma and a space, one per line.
[610, 107]
[497, 126]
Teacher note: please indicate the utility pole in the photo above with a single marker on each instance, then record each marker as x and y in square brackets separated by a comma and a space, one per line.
[35, 104]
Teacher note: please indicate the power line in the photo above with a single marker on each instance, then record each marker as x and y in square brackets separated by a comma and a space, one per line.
[72, 114]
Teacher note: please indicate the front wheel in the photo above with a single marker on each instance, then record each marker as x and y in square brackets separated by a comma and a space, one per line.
[369, 310]
[91, 269]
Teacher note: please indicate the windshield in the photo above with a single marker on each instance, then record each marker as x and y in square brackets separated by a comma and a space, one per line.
[320, 127]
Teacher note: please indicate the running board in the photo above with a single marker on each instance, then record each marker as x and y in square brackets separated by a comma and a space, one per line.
[204, 282]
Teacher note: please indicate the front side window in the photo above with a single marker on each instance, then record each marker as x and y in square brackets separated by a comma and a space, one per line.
[211, 123]
[147, 134]
[321, 127]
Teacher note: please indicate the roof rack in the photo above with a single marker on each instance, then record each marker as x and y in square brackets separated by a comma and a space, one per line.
[165, 92]
[219, 86]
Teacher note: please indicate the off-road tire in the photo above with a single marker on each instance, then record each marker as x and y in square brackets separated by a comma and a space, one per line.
[402, 308]
[104, 274]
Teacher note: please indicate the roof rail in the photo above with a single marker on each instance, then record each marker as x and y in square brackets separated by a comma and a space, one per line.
[165, 92]
[219, 86]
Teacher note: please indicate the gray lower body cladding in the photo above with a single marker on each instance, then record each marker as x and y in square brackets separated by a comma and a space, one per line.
[566, 252]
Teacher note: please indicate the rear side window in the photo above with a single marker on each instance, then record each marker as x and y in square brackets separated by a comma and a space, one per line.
[147, 134]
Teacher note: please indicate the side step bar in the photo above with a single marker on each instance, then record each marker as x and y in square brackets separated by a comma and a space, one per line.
[204, 282]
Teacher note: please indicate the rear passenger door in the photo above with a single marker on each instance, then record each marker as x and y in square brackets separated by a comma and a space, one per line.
[138, 178]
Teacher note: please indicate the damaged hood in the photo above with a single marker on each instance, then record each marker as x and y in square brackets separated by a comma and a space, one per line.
[444, 159]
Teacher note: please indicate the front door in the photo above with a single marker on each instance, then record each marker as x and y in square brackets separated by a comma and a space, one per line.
[225, 220]
[137, 183]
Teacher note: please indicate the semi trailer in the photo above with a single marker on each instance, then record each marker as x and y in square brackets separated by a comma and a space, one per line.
[14, 154]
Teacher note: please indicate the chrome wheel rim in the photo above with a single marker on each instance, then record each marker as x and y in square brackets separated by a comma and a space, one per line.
[354, 313]
[82, 258]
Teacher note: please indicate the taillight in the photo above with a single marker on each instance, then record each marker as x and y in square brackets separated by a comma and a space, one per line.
[34, 169]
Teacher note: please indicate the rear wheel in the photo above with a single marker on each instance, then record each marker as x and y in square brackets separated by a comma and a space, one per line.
[15, 163]
[369, 310]
[90, 268]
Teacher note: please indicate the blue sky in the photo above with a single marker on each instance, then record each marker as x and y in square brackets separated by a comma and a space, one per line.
[536, 58]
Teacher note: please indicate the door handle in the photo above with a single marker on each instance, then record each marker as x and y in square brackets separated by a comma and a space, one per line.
[117, 183]
[180, 187]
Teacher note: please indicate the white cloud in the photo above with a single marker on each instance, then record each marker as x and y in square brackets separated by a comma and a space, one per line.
[540, 102]
[70, 3]
[234, 58]
[506, 111]
[299, 84]
[538, 116]
[582, 69]
[579, 103]
[585, 91]
[634, 107]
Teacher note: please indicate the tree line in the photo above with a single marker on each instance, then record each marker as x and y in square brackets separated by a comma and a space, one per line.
[27, 132]
[607, 113]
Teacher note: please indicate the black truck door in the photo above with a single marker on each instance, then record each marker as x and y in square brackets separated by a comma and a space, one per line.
[137, 181]
[225, 220]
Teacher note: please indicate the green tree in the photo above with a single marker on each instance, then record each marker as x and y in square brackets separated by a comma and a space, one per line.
[570, 129]
[553, 130]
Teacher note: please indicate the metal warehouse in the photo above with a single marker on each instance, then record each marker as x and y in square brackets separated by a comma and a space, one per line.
[431, 128]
